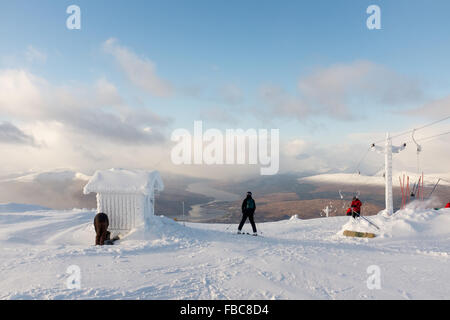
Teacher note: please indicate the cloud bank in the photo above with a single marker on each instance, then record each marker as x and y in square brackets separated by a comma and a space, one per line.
[140, 71]
[340, 90]
[10, 134]
[98, 112]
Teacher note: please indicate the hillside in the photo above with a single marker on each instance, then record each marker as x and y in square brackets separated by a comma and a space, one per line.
[281, 206]
[278, 197]
[293, 259]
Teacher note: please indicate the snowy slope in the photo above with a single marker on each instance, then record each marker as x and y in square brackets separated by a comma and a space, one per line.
[345, 178]
[376, 180]
[295, 259]
[60, 175]
[19, 207]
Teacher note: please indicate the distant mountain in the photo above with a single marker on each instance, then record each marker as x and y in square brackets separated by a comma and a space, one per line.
[56, 189]
[63, 189]
[375, 180]
[278, 197]
[20, 207]
[61, 175]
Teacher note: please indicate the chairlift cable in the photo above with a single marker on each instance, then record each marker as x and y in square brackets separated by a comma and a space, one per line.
[416, 129]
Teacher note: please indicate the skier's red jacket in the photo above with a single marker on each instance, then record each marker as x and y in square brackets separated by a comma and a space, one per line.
[356, 205]
[448, 205]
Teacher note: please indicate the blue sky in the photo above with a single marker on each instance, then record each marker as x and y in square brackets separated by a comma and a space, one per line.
[239, 35]
[204, 48]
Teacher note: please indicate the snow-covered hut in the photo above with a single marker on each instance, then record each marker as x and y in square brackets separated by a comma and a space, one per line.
[126, 196]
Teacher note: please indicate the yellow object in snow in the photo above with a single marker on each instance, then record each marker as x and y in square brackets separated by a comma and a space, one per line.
[349, 233]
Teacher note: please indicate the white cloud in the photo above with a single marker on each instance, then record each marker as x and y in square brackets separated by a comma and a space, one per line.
[435, 109]
[219, 115]
[282, 104]
[92, 126]
[98, 112]
[294, 147]
[107, 93]
[34, 55]
[140, 71]
[80, 127]
[339, 90]
[304, 155]
[10, 134]
[300, 155]
[20, 94]
[231, 94]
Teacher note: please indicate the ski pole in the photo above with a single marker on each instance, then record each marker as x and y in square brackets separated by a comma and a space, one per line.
[370, 222]
[435, 186]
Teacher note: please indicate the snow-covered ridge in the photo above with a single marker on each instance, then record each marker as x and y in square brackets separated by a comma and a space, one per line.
[51, 176]
[376, 180]
[19, 207]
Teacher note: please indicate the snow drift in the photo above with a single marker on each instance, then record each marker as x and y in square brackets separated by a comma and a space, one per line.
[293, 259]
[415, 221]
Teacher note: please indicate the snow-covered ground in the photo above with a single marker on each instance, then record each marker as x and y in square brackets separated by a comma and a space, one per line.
[293, 259]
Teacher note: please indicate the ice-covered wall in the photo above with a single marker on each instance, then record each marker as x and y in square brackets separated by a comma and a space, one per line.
[125, 211]
[126, 196]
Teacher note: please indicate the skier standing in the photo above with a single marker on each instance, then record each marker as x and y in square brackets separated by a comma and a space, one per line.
[355, 208]
[248, 211]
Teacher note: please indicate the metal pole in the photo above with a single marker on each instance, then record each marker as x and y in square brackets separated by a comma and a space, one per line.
[388, 176]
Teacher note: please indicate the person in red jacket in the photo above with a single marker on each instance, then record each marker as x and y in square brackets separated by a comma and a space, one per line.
[448, 205]
[355, 208]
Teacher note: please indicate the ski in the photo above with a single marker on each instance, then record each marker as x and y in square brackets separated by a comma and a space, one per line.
[248, 234]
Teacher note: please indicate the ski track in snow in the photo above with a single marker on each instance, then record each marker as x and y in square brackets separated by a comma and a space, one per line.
[294, 259]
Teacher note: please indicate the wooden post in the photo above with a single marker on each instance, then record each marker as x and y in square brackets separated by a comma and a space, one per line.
[401, 188]
[422, 188]
[407, 190]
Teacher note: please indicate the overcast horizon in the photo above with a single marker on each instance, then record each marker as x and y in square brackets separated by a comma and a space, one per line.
[111, 93]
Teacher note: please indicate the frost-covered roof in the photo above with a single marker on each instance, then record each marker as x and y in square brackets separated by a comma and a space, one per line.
[124, 181]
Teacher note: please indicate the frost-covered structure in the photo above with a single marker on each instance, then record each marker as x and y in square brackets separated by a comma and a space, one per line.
[388, 150]
[126, 196]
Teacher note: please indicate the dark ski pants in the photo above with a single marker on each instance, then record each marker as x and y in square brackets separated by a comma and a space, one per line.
[354, 214]
[250, 216]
